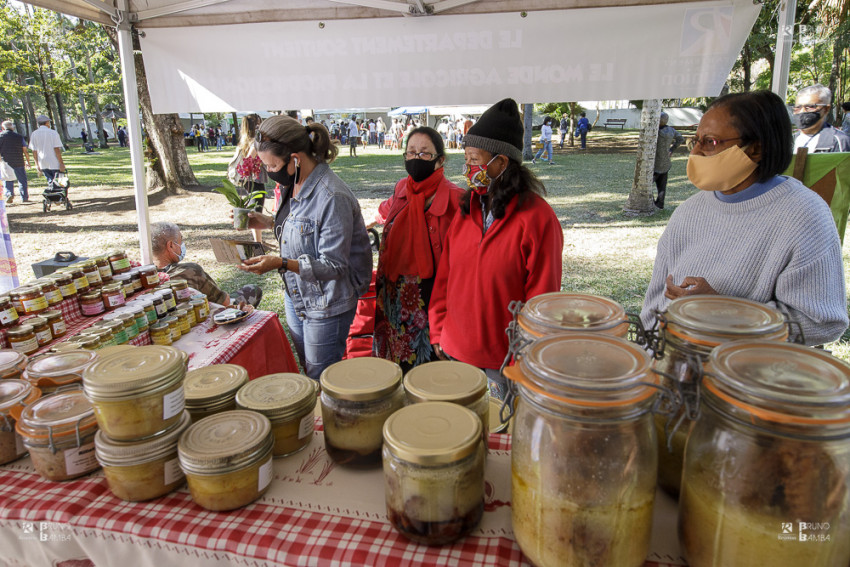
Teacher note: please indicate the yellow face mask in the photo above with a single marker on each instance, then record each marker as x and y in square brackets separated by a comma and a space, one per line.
[722, 171]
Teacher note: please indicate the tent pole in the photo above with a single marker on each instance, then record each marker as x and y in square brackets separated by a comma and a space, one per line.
[784, 40]
[134, 127]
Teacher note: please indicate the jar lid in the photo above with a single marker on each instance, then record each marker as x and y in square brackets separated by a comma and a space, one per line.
[113, 349]
[25, 290]
[715, 319]
[52, 314]
[37, 321]
[209, 383]
[360, 379]
[559, 312]
[225, 442]
[112, 325]
[62, 276]
[57, 415]
[20, 330]
[164, 292]
[116, 253]
[122, 277]
[110, 287]
[147, 268]
[13, 393]
[278, 396]
[781, 382]
[60, 368]
[445, 381]
[587, 369]
[116, 453]
[128, 373]
[84, 264]
[433, 433]
[178, 282]
[12, 362]
[91, 296]
[74, 343]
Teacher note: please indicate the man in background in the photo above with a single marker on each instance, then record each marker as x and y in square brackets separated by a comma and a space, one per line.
[811, 111]
[13, 149]
[668, 140]
[46, 146]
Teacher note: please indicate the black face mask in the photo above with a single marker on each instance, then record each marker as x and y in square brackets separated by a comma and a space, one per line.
[419, 169]
[808, 119]
[283, 177]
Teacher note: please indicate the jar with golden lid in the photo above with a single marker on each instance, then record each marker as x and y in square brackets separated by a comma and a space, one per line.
[126, 282]
[227, 459]
[183, 320]
[137, 393]
[12, 364]
[159, 305]
[691, 328]
[119, 334]
[89, 267]
[142, 470]
[149, 276]
[52, 371]
[136, 280]
[113, 296]
[31, 299]
[433, 459]
[15, 395]
[22, 338]
[212, 389]
[199, 306]
[51, 291]
[202, 297]
[190, 313]
[168, 297]
[147, 305]
[767, 465]
[65, 283]
[93, 342]
[119, 262]
[81, 282]
[106, 335]
[8, 313]
[104, 268]
[91, 304]
[43, 334]
[584, 456]
[138, 312]
[58, 431]
[181, 290]
[129, 322]
[174, 326]
[450, 381]
[358, 395]
[562, 312]
[289, 401]
[160, 334]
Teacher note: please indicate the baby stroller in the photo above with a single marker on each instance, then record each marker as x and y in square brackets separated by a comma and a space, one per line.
[57, 192]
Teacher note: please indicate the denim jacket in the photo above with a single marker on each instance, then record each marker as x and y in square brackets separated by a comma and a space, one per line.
[325, 232]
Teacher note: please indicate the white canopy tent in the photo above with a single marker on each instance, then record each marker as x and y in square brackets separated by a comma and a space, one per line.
[367, 53]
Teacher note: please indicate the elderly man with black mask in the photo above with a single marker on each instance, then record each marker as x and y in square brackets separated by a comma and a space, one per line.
[811, 112]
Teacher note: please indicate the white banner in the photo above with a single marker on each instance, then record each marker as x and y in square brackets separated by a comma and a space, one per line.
[633, 52]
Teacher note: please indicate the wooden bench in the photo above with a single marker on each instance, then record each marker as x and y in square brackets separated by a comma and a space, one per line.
[621, 122]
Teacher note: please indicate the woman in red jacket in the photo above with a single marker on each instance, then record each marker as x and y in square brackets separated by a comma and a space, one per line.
[415, 221]
[506, 244]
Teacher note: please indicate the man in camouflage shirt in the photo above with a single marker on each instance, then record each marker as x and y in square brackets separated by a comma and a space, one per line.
[668, 140]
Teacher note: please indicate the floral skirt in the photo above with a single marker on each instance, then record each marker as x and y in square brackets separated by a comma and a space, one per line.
[402, 333]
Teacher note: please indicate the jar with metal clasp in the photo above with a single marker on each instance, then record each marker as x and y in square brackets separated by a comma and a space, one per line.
[53, 371]
[15, 395]
[560, 312]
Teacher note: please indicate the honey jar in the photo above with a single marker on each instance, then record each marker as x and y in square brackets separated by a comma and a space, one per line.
[8, 313]
[91, 304]
[50, 289]
[181, 290]
[22, 338]
[30, 299]
[43, 334]
[174, 327]
[119, 262]
[183, 320]
[202, 297]
[149, 276]
[118, 330]
[65, 283]
[212, 389]
[199, 306]
[56, 322]
[89, 267]
[81, 282]
[129, 322]
[138, 312]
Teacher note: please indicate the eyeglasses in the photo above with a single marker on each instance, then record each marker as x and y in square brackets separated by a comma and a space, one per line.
[708, 142]
[427, 156]
[807, 107]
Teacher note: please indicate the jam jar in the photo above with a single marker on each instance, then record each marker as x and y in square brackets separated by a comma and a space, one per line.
[53, 371]
[181, 290]
[433, 459]
[584, 455]
[358, 395]
[65, 283]
[56, 321]
[104, 268]
[15, 395]
[126, 282]
[692, 327]
[81, 282]
[50, 289]
[58, 431]
[168, 297]
[119, 262]
[560, 312]
[289, 401]
[89, 267]
[12, 364]
[8, 314]
[212, 389]
[149, 275]
[142, 470]
[91, 304]
[31, 300]
[137, 393]
[147, 305]
[113, 296]
[199, 306]
[159, 305]
[136, 280]
[138, 312]
[129, 322]
[119, 333]
[22, 338]
[43, 334]
[227, 459]
[767, 465]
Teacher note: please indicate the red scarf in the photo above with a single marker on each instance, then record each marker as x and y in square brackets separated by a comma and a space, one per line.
[407, 250]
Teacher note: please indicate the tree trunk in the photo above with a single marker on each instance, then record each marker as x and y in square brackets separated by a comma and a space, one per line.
[98, 117]
[573, 122]
[640, 200]
[835, 72]
[746, 62]
[527, 150]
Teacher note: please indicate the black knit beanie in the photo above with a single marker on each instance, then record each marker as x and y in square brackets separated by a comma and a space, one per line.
[498, 131]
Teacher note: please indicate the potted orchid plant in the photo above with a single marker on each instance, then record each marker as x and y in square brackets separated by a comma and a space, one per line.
[243, 202]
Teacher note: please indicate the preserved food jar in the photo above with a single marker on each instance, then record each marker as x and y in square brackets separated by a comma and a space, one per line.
[8, 313]
[181, 290]
[168, 297]
[212, 389]
[106, 336]
[160, 334]
[126, 282]
[31, 299]
[137, 393]
[560, 312]
[74, 343]
[227, 459]
[22, 338]
[91, 304]
[50, 289]
[183, 321]
[190, 313]
[202, 297]
[119, 334]
[119, 262]
[147, 305]
[138, 313]
[43, 335]
[12, 364]
[65, 283]
[113, 296]
[81, 282]
[451, 381]
[104, 268]
[199, 306]
[767, 464]
[89, 268]
[159, 305]
[584, 454]
[434, 471]
[52, 371]
[149, 275]
[92, 343]
[58, 431]
[692, 327]
[173, 326]
[56, 322]
[288, 400]
[136, 280]
[142, 470]
[129, 322]
[358, 395]
[15, 395]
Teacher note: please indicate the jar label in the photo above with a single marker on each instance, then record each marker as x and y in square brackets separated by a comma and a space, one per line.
[8, 315]
[122, 264]
[173, 403]
[81, 283]
[151, 315]
[53, 297]
[33, 305]
[44, 337]
[152, 281]
[26, 347]
[173, 472]
[141, 322]
[93, 277]
[105, 271]
[172, 304]
[202, 312]
[58, 327]
[80, 459]
[92, 308]
[161, 309]
[68, 289]
[115, 299]
[158, 339]
[184, 294]
[175, 334]
[265, 474]
[306, 427]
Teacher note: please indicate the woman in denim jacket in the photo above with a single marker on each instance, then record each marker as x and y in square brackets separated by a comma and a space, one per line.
[325, 258]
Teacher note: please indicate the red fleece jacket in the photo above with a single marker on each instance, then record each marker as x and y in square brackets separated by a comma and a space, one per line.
[518, 258]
